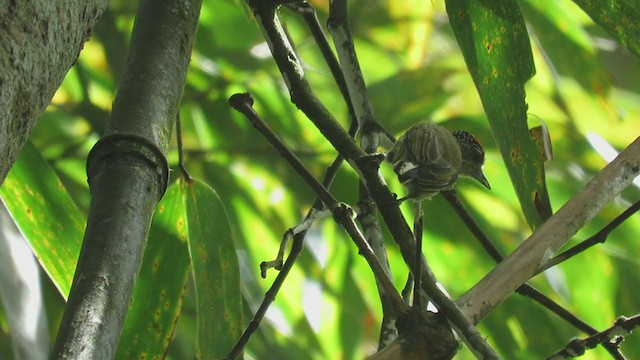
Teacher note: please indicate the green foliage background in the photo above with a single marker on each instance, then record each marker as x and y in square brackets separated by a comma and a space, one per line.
[586, 86]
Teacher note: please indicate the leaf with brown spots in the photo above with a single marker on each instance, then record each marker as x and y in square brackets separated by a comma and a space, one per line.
[495, 44]
[46, 215]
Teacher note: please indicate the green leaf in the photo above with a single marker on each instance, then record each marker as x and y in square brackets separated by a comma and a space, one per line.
[495, 45]
[46, 215]
[215, 271]
[159, 291]
[618, 17]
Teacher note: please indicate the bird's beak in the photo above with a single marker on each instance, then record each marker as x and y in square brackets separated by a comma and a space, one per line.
[483, 180]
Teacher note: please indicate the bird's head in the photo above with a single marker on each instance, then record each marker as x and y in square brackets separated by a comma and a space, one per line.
[472, 157]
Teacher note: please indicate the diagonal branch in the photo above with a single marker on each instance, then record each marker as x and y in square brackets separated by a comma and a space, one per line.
[613, 336]
[341, 212]
[531, 255]
[370, 131]
[525, 289]
[296, 250]
[338, 24]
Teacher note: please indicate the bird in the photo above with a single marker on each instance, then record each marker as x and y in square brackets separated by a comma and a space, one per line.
[428, 158]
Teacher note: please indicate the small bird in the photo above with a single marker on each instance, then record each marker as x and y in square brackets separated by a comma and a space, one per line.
[429, 158]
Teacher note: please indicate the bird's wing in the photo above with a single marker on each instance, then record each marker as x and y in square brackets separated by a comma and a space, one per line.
[432, 177]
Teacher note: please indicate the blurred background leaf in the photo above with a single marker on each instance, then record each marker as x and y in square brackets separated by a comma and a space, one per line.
[586, 90]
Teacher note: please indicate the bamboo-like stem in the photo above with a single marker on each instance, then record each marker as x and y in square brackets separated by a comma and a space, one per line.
[128, 174]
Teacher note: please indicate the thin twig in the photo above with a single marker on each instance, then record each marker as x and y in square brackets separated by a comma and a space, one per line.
[314, 214]
[316, 211]
[372, 134]
[296, 250]
[269, 297]
[417, 230]
[308, 14]
[181, 164]
[342, 213]
[338, 25]
[612, 336]
[366, 215]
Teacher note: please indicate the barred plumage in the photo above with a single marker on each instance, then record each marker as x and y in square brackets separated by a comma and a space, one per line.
[428, 159]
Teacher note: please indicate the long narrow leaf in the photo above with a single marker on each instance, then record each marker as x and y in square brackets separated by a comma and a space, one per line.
[495, 44]
[215, 271]
[46, 215]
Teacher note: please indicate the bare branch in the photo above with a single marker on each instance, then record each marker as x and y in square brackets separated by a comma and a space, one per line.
[613, 335]
[525, 290]
[303, 96]
[370, 131]
[341, 212]
[529, 257]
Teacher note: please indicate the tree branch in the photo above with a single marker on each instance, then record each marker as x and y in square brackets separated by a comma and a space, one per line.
[525, 289]
[303, 96]
[369, 129]
[613, 336]
[338, 25]
[296, 250]
[341, 212]
[531, 255]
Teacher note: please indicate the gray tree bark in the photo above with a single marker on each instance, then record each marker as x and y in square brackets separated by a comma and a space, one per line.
[39, 42]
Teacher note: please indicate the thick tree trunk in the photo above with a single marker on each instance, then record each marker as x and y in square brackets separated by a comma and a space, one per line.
[39, 41]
